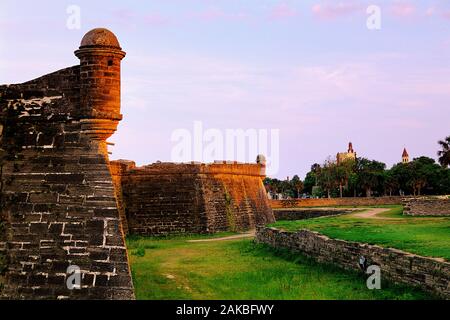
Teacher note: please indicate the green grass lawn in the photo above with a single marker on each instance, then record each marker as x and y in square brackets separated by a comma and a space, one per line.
[240, 269]
[427, 236]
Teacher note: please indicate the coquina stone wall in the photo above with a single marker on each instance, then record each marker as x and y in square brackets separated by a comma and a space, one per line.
[346, 201]
[3, 240]
[167, 198]
[432, 275]
[427, 206]
[304, 213]
[58, 204]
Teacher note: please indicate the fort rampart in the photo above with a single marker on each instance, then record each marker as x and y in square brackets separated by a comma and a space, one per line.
[167, 198]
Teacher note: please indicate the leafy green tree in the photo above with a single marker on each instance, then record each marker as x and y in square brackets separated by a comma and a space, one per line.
[425, 176]
[343, 172]
[297, 185]
[391, 183]
[315, 168]
[311, 178]
[286, 189]
[327, 177]
[421, 176]
[317, 192]
[268, 184]
[353, 183]
[272, 185]
[444, 181]
[441, 182]
[370, 174]
[444, 154]
[309, 182]
[402, 173]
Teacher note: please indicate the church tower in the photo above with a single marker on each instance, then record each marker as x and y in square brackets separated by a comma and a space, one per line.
[344, 156]
[405, 156]
[350, 148]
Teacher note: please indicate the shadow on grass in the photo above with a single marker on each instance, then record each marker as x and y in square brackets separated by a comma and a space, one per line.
[402, 292]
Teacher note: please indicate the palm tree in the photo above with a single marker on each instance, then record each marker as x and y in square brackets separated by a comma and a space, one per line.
[297, 184]
[444, 154]
[326, 178]
[343, 172]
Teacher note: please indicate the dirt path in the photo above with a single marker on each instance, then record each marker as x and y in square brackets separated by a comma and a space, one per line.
[372, 213]
[237, 236]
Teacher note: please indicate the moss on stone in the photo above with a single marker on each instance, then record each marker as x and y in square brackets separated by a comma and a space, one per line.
[229, 211]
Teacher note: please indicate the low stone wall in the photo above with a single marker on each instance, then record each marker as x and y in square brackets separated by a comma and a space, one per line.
[302, 214]
[431, 275]
[427, 206]
[325, 202]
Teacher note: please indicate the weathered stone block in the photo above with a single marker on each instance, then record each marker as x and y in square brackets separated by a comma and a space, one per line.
[427, 206]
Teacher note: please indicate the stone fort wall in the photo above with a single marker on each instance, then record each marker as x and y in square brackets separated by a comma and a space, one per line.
[167, 198]
[432, 275]
[427, 206]
[58, 205]
[58, 201]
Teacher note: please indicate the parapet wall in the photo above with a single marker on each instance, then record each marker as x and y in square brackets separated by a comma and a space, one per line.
[431, 275]
[329, 202]
[427, 206]
[168, 198]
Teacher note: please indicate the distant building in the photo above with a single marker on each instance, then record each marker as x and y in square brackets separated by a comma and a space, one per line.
[405, 156]
[344, 156]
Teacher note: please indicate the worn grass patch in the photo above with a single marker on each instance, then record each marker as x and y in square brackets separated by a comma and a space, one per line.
[427, 236]
[240, 269]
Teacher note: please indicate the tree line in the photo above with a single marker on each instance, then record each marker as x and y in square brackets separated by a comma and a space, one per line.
[364, 177]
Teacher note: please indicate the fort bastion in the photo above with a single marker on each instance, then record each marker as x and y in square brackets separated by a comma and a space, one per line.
[63, 203]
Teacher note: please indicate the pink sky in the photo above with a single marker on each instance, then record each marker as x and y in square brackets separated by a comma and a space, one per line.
[308, 68]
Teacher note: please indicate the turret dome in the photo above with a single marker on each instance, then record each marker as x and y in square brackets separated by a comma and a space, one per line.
[100, 37]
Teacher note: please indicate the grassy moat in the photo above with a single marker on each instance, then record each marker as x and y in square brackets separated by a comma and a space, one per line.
[240, 269]
[427, 236]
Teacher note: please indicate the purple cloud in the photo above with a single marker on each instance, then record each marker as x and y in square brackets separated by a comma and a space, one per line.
[403, 9]
[282, 11]
[214, 14]
[131, 18]
[331, 10]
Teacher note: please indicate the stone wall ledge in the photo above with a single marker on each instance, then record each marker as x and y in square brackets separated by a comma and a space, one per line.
[308, 213]
[169, 168]
[430, 274]
[437, 206]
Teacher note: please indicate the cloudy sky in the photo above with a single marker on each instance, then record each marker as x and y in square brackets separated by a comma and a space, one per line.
[311, 69]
